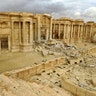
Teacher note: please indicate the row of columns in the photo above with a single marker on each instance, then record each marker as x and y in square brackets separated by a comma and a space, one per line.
[23, 33]
[69, 32]
[25, 36]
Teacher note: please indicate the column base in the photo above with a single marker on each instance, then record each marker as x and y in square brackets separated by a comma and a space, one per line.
[26, 48]
[79, 41]
[66, 41]
[15, 48]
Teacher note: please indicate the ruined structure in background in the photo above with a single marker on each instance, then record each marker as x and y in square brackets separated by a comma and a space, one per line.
[19, 30]
[72, 30]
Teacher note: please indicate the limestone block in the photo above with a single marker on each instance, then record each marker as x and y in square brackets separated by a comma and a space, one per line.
[93, 82]
[40, 68]
[81, 91]
[26, 74]
[20, 75]
[90, 93]
[69, 86]
[49, 64]
[56, 62]
[32, 71]
[14, 75]
[62, 60]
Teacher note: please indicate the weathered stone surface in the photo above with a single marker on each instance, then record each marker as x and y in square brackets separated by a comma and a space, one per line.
[93, 81]
[17, 87]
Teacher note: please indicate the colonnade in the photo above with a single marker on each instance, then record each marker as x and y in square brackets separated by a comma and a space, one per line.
[72, 32]
[22, 32]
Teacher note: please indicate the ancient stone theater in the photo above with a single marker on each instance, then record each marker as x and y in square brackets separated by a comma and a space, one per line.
[43, 56]
[19, 30]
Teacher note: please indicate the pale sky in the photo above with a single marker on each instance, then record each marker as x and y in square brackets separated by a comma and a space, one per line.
[76, 9]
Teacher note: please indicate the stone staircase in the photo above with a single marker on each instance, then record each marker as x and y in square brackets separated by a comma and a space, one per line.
[18, 87]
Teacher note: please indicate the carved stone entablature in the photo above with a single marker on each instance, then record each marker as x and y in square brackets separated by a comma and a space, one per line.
[3, 36]
[3, 24]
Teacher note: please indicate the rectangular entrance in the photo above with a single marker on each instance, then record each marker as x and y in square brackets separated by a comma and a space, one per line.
[43, 34]
[4, 43]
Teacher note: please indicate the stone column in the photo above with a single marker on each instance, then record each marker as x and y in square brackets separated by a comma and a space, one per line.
[0, 45]
[19, 32]
[68, 36]
[13, 41]
[59, 31]
[74, 34]
[81, 33]
[9, 46]
[90, 32]
[54, 32]
[85, 33]
[39, 30]
[50, 37]
[71, 33]
[47, 34]
[24, 33]
[31, 32]
[64, 32]
[67, 31]
[78, 33]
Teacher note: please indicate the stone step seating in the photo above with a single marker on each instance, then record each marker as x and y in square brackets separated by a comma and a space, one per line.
[18, 87]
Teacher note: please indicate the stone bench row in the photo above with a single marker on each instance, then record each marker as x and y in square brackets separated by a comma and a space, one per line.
[24, 73]
[75, 89]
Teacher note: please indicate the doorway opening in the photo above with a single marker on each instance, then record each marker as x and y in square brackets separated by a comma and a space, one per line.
[4, 43]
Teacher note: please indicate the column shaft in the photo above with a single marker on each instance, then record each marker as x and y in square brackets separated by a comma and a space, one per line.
[19, 33]
[13, 41]
[71, 33]
[54, 32]
[24, 33]
[59, 31]
[78, 38]
[39, 31]
[85, 33]
[46, 34]
[31, 32]
[82, 32]
[0, 46]
[9, 46]
[50, 37]
[90, 32]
